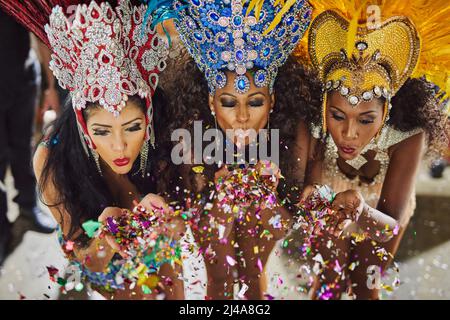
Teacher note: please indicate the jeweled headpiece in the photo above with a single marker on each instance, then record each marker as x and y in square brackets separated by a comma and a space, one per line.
[369, 48]
[223, 36]
[104, 57]
[101, 53]
[378, 64]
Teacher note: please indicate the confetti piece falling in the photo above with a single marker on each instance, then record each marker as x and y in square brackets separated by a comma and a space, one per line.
[90, 227]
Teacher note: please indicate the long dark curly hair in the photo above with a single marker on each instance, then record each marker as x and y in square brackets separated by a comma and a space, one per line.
[417, 105]
[296, 90]
[82, 192]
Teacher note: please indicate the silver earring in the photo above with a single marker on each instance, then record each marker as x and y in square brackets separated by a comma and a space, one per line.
[268, 125]
[144, 158]
[96, 158]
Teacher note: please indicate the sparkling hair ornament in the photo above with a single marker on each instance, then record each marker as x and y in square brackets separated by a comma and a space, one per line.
[226, 36]
[101, 53]
[367, 49]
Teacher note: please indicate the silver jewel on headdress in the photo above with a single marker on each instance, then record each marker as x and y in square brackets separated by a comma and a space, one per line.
[353, 99]
[221, 37]
[103, 56]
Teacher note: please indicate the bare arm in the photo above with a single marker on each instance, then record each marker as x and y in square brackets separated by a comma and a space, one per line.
[89, 256]
[397, 190]
[400, 178]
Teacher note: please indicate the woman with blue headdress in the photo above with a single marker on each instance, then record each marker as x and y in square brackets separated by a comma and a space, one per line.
[237, 205]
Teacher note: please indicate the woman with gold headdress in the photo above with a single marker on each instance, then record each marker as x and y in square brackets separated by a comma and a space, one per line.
[377, 120]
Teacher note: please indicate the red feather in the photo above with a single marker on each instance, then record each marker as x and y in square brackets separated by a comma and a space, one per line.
[34, 14]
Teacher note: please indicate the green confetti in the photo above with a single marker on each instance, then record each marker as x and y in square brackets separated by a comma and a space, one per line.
[61, 281]
[79, 287]
[90, 227]
[146, 289]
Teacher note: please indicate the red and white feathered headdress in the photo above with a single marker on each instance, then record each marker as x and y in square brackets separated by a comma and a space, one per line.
[101, 53]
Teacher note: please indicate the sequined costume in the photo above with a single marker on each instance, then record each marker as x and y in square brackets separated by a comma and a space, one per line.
[365, 50]
[332, 176]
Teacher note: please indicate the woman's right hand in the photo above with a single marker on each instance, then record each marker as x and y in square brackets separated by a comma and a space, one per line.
[113, 212]
[221, 173]
[226, 220]
[306, 193]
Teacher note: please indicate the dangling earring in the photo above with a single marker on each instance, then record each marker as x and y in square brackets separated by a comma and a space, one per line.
[268, 125]
[217, 132]
[215, 119]
[386, 117]
[144, 158]
[96, 158]
[324, 110]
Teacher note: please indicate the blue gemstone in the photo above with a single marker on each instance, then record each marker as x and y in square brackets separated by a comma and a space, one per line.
[254, 39]
[212, 55]
[307, 14]
[261, 78]
[295, 39]
[221, 38]
[239, 55]
[195, 2]
[290, 20]
[214, 16]
[198, 36]
[281, 32]
[207, 35]
[266, 51]
[226, 12]
[241, 84]
[237, 21]
[219, 78]
[190, 24]
[295, 28]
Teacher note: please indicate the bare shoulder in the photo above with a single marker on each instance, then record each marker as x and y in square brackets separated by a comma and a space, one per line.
[39, 160]
[413, 144]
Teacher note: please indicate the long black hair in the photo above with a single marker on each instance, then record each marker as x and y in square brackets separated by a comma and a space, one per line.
[81, 191]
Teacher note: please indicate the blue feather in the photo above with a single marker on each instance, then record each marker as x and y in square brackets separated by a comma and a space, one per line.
[160, 11]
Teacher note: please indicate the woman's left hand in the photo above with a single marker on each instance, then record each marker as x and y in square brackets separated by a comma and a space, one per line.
[347, 206]
[271, 171]
[174, 227]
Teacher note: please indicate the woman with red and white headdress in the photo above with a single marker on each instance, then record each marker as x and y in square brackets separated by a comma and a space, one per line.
[102, 157]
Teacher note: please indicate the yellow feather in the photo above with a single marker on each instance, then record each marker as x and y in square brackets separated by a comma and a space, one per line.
[352, 29]
[258, 9]
[251, 6]
[280, 15]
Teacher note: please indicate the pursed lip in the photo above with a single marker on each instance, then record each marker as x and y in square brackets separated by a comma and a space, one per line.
[121, 162]
[348, 149]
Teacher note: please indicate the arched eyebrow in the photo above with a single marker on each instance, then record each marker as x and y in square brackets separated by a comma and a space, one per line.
[367, 112]
[337, 109]
[100, 125]
[107, 126]
[361, 114]
[138, 118]
[227, 94]
[255, 93]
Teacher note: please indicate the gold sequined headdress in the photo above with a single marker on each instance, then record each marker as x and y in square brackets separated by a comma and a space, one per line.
[368, 49]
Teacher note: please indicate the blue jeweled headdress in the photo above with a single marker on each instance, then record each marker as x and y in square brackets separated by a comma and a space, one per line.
[220, 36]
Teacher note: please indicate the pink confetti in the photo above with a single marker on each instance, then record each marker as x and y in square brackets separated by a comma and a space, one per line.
[231, 261]
[259, 264]
[396, 229]
[69, 245]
